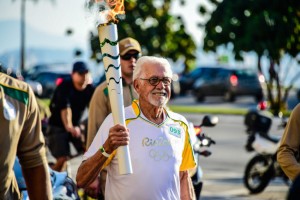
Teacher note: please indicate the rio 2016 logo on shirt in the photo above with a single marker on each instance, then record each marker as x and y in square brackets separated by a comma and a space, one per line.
[175, 131]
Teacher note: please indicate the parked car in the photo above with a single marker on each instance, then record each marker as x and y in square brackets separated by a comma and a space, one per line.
[229, 83]
[10, 72]
[187, 81]
[298, 94]
[49, 81]
[36, 86]
[49, 76]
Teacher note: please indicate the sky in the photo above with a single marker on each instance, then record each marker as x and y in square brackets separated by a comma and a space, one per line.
[48, 20]
[51, 17]
[54, 18]
[58, 16]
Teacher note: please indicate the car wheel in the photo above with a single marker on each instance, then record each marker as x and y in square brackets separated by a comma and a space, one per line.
[173, 94]
[258, 97]
[199, 97]
[298, 95]
[228, 96]
[182, 92]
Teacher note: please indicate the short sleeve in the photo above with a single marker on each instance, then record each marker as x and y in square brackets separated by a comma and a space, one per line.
[31, 149]
[188, 158]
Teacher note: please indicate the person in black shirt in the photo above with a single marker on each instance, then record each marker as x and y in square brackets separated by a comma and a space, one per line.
[69, 101]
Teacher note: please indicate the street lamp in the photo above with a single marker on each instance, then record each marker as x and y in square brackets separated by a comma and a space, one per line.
[22, 52]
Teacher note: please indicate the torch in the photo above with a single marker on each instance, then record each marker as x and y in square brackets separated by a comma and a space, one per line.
[108, 37]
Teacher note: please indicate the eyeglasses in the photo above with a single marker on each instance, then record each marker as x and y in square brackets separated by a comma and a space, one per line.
[128, 56]
[154, 81]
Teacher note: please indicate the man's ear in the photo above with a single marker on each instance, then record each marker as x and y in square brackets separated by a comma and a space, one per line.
[136, 85]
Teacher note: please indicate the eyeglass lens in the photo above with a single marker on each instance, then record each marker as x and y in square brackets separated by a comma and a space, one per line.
[155, 80]
[128, 56]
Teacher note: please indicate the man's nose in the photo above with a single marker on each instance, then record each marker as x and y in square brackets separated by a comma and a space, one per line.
[161, 85]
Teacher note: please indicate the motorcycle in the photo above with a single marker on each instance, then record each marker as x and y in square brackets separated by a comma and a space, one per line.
[200, 140]
[263, 167]
[63, 187]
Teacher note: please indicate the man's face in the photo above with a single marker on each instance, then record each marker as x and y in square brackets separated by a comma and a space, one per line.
[156, 90]
[80, 80]
[128, 62]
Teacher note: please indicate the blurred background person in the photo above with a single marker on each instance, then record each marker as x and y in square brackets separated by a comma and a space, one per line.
[67, 106]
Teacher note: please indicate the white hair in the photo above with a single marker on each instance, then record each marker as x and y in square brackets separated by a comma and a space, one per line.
[138, 69]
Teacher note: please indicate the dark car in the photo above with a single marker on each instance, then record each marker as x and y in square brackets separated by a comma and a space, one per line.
[49, 81]
[298, 94]
[36, 86]
[187, 81]
[229, 83]
[10, 72]
[49, 76]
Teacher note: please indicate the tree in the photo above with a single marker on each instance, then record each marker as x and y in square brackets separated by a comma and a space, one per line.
[158, 32]
[269, 28]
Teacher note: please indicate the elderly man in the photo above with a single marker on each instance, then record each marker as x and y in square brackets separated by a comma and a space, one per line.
[130, 51]
[161, 152]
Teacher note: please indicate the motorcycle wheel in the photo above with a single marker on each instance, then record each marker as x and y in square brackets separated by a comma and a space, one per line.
[256, 177]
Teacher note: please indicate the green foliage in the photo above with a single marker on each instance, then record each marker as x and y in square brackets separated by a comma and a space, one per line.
[270, 28]
[159, 33]
[44, 107]
[267, 27]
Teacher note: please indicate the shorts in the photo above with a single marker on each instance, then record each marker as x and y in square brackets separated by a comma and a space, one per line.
[58, 142]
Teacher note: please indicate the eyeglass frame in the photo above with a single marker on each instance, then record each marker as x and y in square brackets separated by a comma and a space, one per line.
[159, 80]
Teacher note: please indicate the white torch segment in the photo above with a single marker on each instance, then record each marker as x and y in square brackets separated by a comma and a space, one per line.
[114, 81]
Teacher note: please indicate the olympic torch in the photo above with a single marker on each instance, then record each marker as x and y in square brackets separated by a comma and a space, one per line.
[108, 37]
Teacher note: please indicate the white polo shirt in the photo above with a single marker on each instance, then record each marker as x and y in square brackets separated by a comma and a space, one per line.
[158, 153]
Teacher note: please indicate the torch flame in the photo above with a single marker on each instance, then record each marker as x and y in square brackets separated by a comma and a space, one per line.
[116, 8]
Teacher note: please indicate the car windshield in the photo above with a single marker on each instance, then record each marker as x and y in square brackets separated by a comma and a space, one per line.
[60, 68]
[245, 74]
[195, 73]
[48, 76]
[212, 72]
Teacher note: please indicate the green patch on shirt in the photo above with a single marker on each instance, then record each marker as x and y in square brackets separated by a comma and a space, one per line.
[105, 91]
[15, 93]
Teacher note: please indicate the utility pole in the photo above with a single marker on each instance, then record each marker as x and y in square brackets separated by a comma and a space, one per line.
[22, 51]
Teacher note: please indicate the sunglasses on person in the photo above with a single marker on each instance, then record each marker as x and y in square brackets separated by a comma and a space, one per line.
[154, 81]
[128, 56]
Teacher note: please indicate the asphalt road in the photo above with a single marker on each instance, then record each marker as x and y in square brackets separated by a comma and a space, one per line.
[241, 102]
[224, 169]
